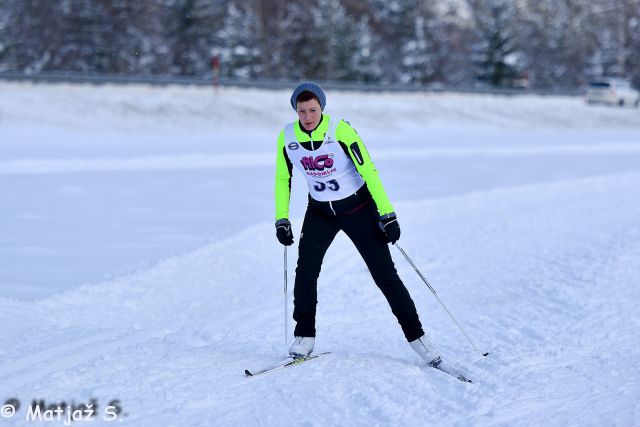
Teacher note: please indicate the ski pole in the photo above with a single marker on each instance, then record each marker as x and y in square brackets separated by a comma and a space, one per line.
[439, 300]
[286, 314]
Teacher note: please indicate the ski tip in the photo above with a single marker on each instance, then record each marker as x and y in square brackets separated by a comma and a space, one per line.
[247, 373]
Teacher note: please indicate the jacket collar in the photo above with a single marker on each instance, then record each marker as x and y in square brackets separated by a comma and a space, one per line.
[316, 134]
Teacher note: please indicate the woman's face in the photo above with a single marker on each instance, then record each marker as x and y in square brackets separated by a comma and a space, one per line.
[309, 113]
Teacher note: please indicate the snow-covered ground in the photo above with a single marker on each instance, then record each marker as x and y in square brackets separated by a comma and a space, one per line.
[139, 261]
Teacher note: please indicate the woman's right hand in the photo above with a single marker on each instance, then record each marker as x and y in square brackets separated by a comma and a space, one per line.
[283, 232]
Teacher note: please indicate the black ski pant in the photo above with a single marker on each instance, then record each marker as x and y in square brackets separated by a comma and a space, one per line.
[318, 231]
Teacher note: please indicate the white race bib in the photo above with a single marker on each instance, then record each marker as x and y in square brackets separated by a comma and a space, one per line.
[330, 173]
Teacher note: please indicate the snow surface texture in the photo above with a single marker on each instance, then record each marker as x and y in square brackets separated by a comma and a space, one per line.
[523, 212]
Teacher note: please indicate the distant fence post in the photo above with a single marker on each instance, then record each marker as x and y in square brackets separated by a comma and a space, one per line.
[215, 68]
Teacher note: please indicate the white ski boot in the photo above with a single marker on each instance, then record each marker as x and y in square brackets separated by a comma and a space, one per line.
[302, 346]
[426, 351]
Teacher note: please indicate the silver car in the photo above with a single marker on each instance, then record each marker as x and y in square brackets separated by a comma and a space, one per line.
[612, 91]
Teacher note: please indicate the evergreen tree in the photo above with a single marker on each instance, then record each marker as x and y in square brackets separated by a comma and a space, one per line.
[394, 19]
[192, 28]
[452, 37]
[306, 46]
[272, 35]
[350, 48]
[496, 45]
[31, 39]
[632, 47]
[5, 18]
[416, 54]
[366, 59]
[240, 51]
[557, 38]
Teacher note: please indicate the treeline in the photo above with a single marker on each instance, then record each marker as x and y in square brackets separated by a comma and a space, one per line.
[536, 43]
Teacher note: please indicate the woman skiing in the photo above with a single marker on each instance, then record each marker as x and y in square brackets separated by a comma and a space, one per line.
[345, 193]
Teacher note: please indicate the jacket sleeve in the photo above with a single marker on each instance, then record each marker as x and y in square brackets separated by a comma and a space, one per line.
[283, 180]
[365, 167]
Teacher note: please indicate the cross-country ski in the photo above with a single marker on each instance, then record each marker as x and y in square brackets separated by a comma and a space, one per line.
[286, 363]
[444, 367]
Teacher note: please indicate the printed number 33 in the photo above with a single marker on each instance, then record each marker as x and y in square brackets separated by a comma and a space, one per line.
[331, 185]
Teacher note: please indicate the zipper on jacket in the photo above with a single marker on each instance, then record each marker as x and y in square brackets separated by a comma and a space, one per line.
[331, 206]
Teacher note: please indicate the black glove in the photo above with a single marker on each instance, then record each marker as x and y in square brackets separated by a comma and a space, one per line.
[390, 227]
[283, 232]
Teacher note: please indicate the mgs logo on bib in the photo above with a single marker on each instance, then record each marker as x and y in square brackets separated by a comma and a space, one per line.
[318, 163]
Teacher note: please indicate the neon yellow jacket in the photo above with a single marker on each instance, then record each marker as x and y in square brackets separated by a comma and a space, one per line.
[346, 136]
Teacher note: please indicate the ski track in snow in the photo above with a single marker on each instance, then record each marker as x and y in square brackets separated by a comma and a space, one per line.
[542, 276]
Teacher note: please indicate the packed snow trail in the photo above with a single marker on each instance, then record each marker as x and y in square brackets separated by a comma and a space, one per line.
[543, 276]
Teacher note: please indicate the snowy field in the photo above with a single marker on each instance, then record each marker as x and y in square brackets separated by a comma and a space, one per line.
[139, 261]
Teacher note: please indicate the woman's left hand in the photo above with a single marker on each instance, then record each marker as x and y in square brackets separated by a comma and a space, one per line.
[389, 225]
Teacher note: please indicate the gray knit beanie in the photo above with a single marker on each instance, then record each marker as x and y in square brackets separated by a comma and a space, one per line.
[310, 87]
